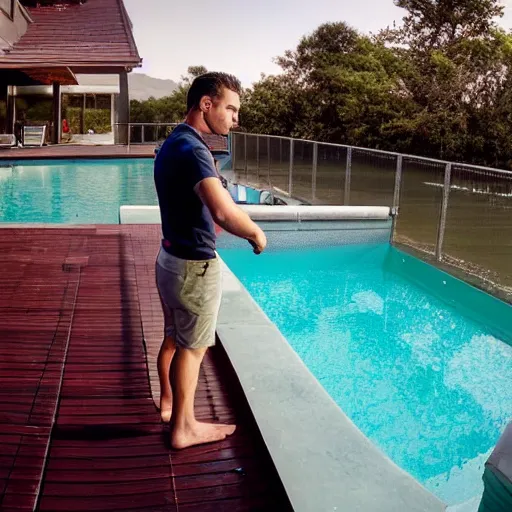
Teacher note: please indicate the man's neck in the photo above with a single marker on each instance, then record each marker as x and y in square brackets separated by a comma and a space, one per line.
[195, 120]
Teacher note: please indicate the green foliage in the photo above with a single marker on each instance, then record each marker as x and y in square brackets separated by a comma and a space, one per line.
[337, 86]
[40, 112]
[437, 85]
[95, 119]
[73, 116]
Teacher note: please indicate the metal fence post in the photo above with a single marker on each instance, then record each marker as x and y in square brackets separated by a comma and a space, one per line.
[142, 134]
[396, 194]
[398, 183]
[245, 157]
[290, 173]
[258, 159]
[348, 172]
[232, 139]
[315, 167]
[444, 211]
[268, 160]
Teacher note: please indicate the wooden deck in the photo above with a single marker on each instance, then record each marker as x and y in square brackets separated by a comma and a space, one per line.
[78, 426]
[64, 151]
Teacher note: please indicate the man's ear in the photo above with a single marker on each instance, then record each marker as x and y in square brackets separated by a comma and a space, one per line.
[205, 104]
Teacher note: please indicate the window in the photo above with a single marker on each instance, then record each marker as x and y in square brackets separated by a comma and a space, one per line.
[7, 6]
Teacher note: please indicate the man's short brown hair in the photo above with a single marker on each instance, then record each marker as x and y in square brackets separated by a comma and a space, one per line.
[211, 84]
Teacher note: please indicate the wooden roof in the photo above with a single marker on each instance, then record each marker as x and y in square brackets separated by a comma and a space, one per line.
[89, 38]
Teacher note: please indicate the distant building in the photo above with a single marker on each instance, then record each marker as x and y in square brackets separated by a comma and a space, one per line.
[78, 71]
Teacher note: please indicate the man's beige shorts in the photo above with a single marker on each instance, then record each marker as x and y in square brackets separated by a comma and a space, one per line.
[190, 292]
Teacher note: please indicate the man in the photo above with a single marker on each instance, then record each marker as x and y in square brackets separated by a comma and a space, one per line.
[497, 477]
[18, 129]
[192, 199]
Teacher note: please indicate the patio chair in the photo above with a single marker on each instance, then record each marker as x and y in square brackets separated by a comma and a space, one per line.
[34, 135]
[7, 140]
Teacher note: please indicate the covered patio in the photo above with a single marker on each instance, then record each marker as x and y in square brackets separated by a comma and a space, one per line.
[61, 42]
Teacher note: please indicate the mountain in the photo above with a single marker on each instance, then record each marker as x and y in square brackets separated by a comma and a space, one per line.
[142, 86]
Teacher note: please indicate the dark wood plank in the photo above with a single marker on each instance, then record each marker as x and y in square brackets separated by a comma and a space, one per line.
[109, 450]
[93, 503]
[77, 151]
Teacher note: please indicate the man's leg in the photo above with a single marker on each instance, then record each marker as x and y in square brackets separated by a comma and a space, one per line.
[497, 494]
[167, 351]
[186, 430]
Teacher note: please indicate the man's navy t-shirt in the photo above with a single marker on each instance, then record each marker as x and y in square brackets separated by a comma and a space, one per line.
[182, 162]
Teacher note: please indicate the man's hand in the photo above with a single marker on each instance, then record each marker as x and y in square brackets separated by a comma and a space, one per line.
[258, 242]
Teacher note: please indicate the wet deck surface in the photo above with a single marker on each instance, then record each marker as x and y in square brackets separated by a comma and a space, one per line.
[78, 151]
[80, 327]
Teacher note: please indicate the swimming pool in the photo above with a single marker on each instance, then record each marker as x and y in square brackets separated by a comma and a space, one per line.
[83, 191]
[398, 345]
[73, 191]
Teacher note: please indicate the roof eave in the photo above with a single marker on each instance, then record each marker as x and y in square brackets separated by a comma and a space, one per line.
[129, 29]
[128, 65]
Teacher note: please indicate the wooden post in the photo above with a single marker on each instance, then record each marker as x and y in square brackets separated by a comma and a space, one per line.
[11, 110]
[113, 112]
[56, 133]
[123, 106]
[82, 114]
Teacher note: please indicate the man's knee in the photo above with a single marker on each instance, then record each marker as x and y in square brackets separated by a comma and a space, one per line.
[169, 343]
[192, 353]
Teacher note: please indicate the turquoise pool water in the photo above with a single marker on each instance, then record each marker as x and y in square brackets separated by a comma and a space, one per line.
[82, 191]
[74, 191]
[420, 377]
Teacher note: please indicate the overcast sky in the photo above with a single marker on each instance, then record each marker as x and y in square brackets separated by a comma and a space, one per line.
[243, 37]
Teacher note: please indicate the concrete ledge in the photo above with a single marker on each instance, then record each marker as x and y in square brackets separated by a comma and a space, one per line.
[129, 214]
[324, 461]
[316, 213]
[293, 234]
[139, 214]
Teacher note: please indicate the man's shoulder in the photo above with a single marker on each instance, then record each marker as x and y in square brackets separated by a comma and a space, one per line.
[185, 142]
[186, 150]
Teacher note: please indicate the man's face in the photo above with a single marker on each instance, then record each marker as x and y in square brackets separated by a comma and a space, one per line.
[222, 114]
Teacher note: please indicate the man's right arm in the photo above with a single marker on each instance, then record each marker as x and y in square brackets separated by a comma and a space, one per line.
[228, 215]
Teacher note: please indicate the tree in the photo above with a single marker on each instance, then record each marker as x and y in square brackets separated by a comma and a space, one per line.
[457, 61]
[437, 24]
[274, 106]
[337, 86]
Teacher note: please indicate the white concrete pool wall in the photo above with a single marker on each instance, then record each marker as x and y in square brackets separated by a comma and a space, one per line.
[358, 223]
[324, 461]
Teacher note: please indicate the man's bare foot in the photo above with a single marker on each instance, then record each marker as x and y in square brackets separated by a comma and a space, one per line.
[165, 409]
[199, 433]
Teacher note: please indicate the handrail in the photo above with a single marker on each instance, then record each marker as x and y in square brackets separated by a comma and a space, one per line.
[381, 151]
[344, 146]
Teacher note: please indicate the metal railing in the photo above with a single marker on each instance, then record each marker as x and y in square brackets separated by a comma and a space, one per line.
[154, 133]
[455, 213]
[452, 213]
[142, 133]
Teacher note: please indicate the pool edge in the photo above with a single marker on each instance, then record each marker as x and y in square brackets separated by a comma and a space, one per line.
[342, 468]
